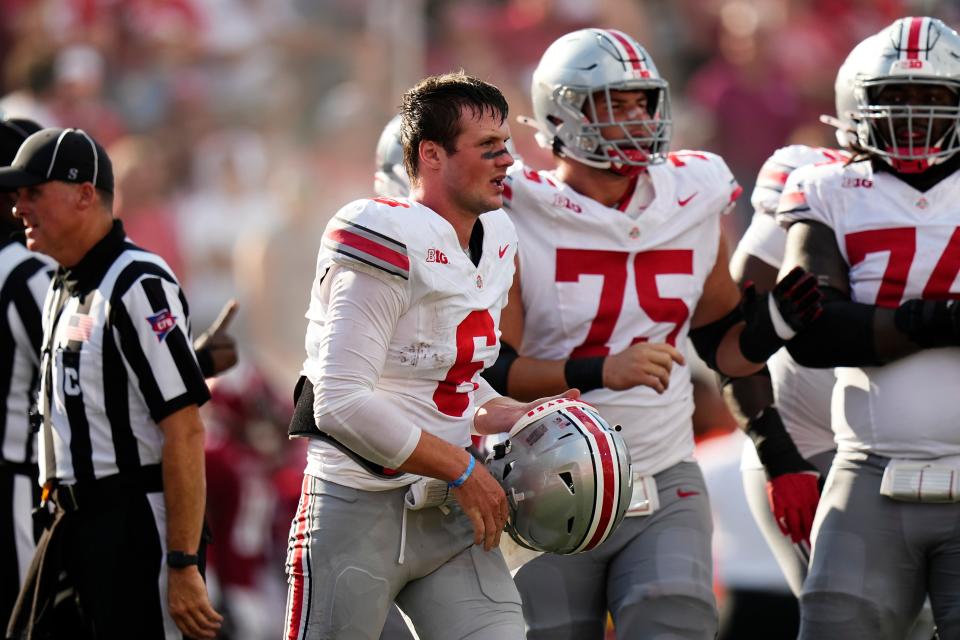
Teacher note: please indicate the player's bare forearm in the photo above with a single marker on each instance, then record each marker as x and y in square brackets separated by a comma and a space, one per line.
[748, 396]
[184, 481]
[436, 458]
[531, 378]
[730, 360]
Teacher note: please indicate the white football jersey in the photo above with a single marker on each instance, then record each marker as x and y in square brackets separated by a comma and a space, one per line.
[596, 279]
[900, 244]
[448, 332]
[802, 395]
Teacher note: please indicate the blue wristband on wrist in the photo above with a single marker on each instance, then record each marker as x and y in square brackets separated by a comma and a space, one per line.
[466, 474]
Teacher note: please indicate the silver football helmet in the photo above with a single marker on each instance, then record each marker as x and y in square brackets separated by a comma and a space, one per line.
[567, 477]
[846, 102]
[577, 69]
[390, 179]
[911, 51]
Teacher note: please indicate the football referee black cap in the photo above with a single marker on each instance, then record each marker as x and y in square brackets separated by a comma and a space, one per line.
[13, 131]
[68, 155]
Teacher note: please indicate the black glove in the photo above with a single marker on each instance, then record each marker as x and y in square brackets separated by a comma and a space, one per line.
[930, 323]
[774, 318]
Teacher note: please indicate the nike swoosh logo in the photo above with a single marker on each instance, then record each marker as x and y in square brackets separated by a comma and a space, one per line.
[684, 202]
[503, 249]
[686, 494]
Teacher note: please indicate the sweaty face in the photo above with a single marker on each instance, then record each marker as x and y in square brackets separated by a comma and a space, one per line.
[475, 171]
[48, 215]
[921, 127]
[630, 122]
[629, 112]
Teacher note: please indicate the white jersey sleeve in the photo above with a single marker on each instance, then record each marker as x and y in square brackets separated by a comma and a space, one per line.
[361, 315]
[764, 238]
[802, 199]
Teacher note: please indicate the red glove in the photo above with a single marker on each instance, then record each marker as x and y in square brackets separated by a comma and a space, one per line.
[793, 500]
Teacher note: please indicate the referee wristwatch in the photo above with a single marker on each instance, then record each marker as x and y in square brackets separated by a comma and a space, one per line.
[181, 560]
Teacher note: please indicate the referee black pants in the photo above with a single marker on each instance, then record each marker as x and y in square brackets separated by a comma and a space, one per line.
[113, 559]
[110, 554]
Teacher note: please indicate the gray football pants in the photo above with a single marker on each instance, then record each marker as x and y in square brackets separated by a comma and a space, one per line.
[654, 574]
[344, 575]
[875, 560]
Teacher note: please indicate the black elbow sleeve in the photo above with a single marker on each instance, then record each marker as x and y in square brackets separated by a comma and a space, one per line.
[706, 339]
[497, 374]
[843, 336]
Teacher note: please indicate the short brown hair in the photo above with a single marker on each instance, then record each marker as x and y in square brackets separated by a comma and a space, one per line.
[431, 111]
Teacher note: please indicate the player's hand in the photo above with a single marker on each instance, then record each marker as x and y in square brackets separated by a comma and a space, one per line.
[798, 298]
[643, 364]
[500, 414]
[774, 318]
[484, 502]
[189, 604]
[218, 343]
[793, 489]
[793, 500]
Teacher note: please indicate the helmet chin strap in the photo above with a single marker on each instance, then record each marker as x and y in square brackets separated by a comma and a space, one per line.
[627, 170]
[920, 164]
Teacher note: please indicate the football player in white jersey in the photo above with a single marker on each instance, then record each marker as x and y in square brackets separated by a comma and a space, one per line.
[786, 409]
[402, 319]
[883, 235]
[621, 255]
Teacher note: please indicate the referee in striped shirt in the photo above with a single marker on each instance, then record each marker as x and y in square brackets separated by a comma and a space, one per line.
[120, 388]
[24, 278]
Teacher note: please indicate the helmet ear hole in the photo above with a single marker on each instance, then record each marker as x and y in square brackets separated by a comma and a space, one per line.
[508, 468]
[570, 522]
[567, 478]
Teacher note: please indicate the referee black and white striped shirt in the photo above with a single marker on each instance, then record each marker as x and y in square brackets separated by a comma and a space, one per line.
[122, 361]
[24, 280]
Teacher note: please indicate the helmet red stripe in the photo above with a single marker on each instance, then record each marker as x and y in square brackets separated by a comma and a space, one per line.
[606, 460]
[632, 54]
[913, 38]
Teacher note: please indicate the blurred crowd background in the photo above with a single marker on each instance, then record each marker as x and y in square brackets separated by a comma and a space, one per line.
[238, 127]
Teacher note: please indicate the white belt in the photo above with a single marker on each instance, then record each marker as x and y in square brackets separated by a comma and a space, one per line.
[646, 498]
[935, 480]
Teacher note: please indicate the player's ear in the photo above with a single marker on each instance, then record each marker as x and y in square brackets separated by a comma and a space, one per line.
[431, 154]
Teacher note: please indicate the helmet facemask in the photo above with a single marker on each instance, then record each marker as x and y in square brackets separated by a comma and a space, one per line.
[588, 112]
[910, 137]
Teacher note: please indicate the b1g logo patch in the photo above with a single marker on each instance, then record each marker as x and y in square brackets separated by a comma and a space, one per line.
[162, 323]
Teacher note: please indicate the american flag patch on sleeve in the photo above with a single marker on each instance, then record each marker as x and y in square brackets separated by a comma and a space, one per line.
[367, 246]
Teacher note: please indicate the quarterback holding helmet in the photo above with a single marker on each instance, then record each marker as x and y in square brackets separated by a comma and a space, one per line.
[623, 259]
[882, 235]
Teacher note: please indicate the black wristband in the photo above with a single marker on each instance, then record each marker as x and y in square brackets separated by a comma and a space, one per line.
[585, 374]
[499, 372]
[181, 560]
[775, 448]
[205, 360]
